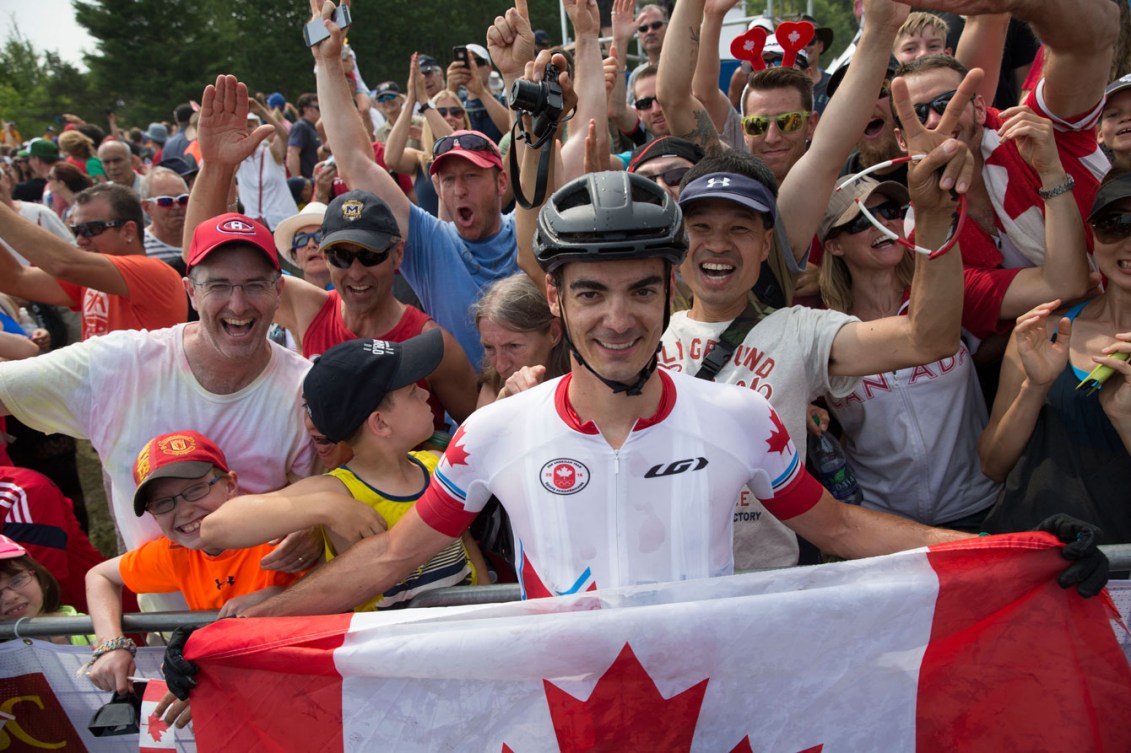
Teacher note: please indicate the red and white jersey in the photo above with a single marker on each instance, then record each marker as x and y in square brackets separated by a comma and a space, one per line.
[586, 516]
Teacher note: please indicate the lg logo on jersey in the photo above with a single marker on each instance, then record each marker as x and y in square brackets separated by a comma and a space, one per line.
[679, 466]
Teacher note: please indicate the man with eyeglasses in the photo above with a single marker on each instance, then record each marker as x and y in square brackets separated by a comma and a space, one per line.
[303, 140]
[220, 375]
[106, 276]
[168, 196]
[651, 26]
[447, 263]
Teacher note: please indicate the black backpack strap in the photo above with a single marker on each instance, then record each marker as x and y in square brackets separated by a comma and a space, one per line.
[728, 342]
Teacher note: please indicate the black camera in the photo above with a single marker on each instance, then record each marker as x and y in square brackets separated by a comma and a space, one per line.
[542, 101]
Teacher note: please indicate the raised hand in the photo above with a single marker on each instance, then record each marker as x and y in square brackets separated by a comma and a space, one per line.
[584, 15]
[222, 130]
[958, 171]
[624, 20]
[1042, 359]
[1034, 138]
[1115, 396]
[510, 40]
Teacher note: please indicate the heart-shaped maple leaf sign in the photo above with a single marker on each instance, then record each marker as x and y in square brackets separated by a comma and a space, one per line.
[749, 47]
[793, 36]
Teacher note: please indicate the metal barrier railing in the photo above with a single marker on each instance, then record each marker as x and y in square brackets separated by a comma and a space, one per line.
[43, 627]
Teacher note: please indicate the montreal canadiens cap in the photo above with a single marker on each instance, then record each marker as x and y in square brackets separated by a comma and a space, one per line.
[228, 229]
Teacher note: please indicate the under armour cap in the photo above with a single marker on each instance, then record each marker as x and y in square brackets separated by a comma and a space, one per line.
[844, 204]
[9, 549]
[362, 218]
[733, 187]
[228, 229]
[179, 454]
[347, 382]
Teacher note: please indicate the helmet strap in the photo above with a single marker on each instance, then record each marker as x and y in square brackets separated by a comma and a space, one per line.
[637, 386]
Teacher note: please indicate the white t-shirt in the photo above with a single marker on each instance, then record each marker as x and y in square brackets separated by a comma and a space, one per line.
[43, 217]
[784, 358]
[124, 388]
[263, 188]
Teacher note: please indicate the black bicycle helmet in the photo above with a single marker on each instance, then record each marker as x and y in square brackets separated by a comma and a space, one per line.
[609, 216]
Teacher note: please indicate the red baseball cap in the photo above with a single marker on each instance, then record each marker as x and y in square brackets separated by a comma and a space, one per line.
[472, 146]
[227, 229]
[180, 454]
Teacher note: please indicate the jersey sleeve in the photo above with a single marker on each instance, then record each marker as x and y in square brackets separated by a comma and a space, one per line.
[457, 491]
[779, 479]
[982, 295]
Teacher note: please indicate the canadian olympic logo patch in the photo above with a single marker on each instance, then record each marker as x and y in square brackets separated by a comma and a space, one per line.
[564, 476]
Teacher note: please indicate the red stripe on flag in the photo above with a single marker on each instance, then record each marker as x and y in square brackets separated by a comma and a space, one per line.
[278, 668]
[1016, 663]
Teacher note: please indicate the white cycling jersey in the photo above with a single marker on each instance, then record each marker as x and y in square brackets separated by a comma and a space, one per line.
[587, 516]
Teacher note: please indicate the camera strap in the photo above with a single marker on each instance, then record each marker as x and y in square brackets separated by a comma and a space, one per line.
[545, 146]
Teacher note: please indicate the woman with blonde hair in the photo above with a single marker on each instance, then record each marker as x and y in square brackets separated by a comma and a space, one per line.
[80, 149]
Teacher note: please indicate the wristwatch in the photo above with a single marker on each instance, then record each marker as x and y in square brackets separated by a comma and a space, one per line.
[425, 106]
[1051, 193]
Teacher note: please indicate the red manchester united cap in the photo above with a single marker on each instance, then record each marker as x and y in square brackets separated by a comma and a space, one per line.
[228, 229]
[180, 454]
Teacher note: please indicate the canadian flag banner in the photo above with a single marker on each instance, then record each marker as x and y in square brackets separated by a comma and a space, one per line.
[154, 734]
[970, 646]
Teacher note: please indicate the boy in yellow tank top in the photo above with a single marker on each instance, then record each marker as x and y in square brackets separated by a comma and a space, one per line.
[368, 394]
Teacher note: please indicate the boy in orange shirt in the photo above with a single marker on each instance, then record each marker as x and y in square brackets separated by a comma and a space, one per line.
[181, 478]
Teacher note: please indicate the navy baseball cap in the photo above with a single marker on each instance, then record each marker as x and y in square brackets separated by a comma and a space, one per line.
[362, 218]
[347, 382]
[738, 189]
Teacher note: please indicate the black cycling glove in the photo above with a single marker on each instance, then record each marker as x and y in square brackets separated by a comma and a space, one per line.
[179, 671]
[1089, 567]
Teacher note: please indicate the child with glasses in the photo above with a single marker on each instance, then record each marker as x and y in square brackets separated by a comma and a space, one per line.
[182, 477]
[28, 589]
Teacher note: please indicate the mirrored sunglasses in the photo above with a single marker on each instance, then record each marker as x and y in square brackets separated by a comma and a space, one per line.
[788, 122]
[167, 201]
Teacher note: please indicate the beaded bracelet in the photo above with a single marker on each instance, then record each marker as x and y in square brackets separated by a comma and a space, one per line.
[121, 643]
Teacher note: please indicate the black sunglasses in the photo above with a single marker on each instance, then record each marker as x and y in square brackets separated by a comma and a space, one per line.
[446, 111]
[95, 228]
[1112, 228]
[301, 239]
[889, 210]
[938, 104]
[672, 176]
[468, 142]
[644, 103]
[645, 28]
[343, 259]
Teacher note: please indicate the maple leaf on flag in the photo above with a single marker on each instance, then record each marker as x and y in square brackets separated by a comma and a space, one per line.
[625, 711]
[779, 437]
[456, 454]
[745, 747]
[157, 727]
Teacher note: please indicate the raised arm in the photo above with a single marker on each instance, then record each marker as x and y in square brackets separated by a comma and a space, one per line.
[931, 329]
[1079, 36]
[686, 116]
[588, 84]
[705, 83]
[981, 46]
[270, 117]
[224, 143]
[353, 151]
[801, 198]
[1032, 363]
[398, 155]
[54, 259]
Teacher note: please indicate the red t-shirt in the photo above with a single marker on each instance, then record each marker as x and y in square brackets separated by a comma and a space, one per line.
[156, 298]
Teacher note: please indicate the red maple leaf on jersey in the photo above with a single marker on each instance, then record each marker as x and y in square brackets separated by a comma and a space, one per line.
[625, 711]
[456, 454]
[157, 727]
[779, 437]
